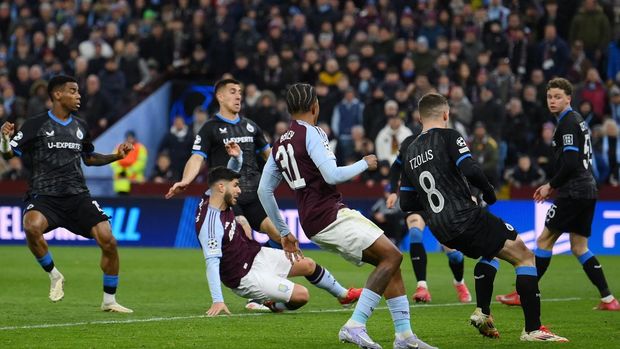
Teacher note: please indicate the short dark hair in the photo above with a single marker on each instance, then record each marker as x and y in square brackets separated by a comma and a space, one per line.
[299, 98]
[429, 103]
[222, 83]
[221, 173]
[562, 84]
[58, 82]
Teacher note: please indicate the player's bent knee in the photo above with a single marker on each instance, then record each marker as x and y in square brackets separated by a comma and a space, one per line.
[578, 250]
[108, 245]
[33, 228]
[396, 258]
[524, 255]
[300, 295]
[310, 265]
[415, 220]
[546, 240]
[34, 224]
[106, 240]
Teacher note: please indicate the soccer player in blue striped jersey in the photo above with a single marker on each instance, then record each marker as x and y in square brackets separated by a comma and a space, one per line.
[438, 169]
[573, 209]
[417, 252]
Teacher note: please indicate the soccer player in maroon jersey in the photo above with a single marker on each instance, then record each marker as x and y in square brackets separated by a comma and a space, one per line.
[241, 264]
[302, 157]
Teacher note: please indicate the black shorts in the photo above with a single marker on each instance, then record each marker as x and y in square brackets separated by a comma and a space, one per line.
[484, 237]
[76, 213]
[253, 211]
[568, 215]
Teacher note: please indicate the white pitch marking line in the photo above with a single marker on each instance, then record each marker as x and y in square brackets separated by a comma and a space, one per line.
[173, 318]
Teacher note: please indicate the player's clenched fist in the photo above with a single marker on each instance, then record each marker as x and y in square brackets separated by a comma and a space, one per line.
[8, 128]
[371, 160]
[124, 149]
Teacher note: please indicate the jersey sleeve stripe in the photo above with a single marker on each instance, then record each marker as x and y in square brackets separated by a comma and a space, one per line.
[463, 157]
[407, 188]
[17, 151]
[398, 161]
[571, 149]
[203, 154]
[210, 224]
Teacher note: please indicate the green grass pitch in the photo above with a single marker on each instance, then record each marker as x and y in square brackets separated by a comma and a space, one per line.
[168, 291]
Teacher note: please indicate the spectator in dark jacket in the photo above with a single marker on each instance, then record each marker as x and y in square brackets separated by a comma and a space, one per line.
[163, 173]
[553, 54]
[16, 171]
[266, 115]
[178, 143]
[525, 173]
[490, 112]
[543, 152]
[96, 107]
[112, 82]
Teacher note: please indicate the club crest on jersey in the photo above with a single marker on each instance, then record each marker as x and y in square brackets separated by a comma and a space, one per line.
[79, 134]
[223, 130]
[250, 128]
[583, 125]
[18, 136]
[567, 139]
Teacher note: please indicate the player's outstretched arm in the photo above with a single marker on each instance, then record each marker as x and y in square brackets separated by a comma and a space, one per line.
[409, 198]
[269, 181]
[460, 154]
[395, 173]
[474, 174]
[8, 129]
[96, 159]
[334, 174]
[192, 168]
[215, 286]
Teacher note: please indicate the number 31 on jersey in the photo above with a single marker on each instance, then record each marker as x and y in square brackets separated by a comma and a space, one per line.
[286, 158]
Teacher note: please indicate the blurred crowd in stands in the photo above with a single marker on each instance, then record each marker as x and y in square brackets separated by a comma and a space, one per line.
[370, 62]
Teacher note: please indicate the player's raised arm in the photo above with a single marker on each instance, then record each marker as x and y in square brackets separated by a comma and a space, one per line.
[8, 129]
[325, 160]
[192, 168]
[460, 154]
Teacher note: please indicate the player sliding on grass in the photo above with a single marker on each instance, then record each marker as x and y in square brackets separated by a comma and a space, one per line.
[302, 156]
[573, 209]
[438, 166]
[249, 270]
[52, 146]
